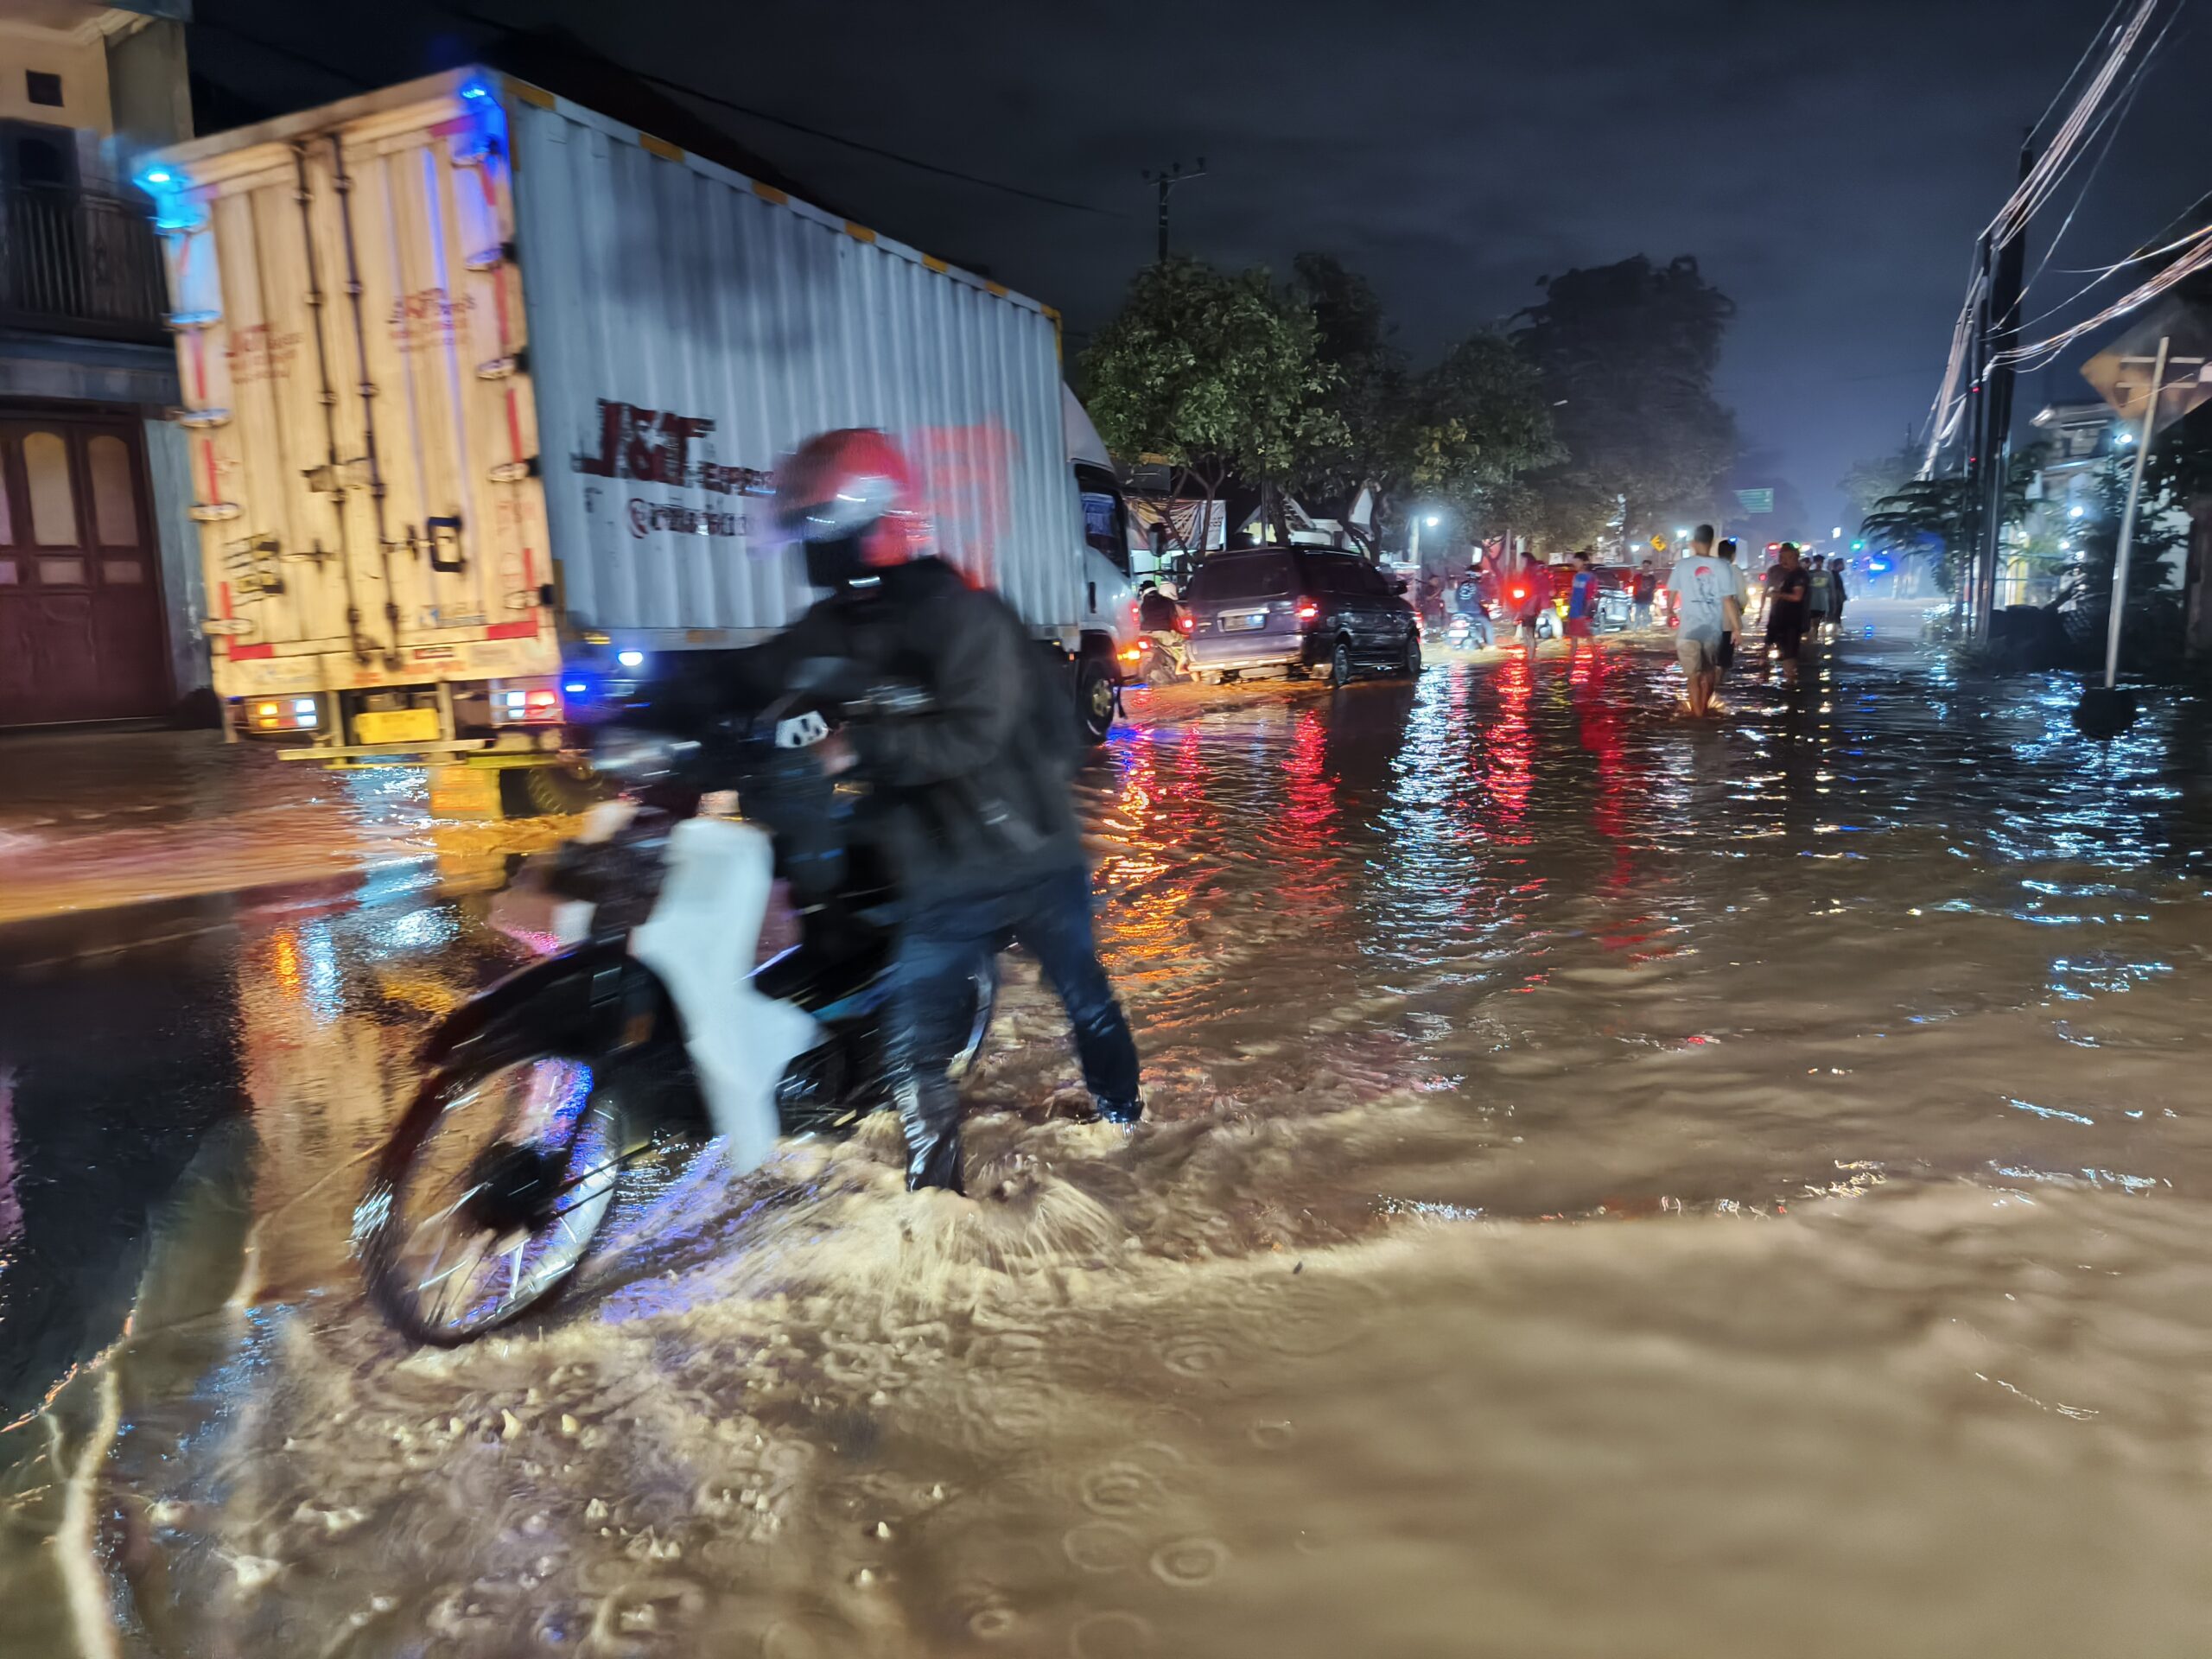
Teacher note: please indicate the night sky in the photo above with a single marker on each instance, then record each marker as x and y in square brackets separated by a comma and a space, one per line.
[1828, 164]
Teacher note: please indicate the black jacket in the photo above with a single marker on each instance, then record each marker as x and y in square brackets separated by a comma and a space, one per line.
[971, 794]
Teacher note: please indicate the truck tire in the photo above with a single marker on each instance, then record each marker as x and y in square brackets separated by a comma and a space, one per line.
[558, 790]
[1095, 696]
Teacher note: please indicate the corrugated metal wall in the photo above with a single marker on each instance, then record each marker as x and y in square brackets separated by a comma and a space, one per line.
[687, 331]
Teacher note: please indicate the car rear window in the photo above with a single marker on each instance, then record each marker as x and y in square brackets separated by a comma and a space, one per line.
[1260, 576]
[1335, 575]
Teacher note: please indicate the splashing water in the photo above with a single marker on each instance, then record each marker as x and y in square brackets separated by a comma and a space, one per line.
[1614, 1187]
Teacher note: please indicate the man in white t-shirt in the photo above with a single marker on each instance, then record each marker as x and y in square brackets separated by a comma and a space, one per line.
[1705, 597]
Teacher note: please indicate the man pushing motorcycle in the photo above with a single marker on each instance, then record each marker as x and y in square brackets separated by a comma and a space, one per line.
[965, 782]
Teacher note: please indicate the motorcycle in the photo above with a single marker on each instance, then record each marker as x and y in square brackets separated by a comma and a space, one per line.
[1157, 658]
[646, 1027]
[1461, 634]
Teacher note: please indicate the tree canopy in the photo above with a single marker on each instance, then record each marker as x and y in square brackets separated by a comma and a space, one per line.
[1457, 433]
[1217, 374]
[1628, 352]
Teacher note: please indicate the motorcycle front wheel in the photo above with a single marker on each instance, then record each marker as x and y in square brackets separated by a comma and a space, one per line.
[487, 1196]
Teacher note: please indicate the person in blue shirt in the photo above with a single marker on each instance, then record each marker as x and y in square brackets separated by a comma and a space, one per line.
[1582, 598]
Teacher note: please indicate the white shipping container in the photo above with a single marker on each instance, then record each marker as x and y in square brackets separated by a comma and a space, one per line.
[476, 378]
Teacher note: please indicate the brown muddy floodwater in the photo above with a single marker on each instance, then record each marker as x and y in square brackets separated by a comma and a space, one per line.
[1614, 1188]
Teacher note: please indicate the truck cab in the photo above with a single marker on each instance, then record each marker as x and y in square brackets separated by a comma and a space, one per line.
[1109, 627]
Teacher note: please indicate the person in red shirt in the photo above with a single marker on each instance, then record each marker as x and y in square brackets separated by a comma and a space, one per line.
[1529, 593]
[1643, 588]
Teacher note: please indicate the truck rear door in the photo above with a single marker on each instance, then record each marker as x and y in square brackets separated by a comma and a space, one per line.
[352, 350]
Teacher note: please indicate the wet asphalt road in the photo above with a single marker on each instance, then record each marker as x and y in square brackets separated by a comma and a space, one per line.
[1879, 999]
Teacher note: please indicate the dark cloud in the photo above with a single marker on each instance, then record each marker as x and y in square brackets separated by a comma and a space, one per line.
[1829, 163]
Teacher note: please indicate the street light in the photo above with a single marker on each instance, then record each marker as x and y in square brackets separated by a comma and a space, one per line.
[1432, 521]
[1836, 535]
[2074, 511]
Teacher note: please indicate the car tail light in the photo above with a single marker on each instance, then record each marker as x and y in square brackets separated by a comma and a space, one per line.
[534, 704]
[1186, 625]
[286, 714]
[1308, 609]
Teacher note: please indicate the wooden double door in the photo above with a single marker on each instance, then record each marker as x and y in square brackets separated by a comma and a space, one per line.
[81, 634]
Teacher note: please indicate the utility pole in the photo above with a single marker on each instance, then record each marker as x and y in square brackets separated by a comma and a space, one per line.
[2000, 332]
[1977, 438]
[2106, 711]
[1165, 182]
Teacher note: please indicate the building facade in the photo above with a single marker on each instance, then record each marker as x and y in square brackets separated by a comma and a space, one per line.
[100, 569]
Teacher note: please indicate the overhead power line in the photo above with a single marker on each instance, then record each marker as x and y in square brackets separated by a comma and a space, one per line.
[2111, 23]
[865, 149]
[753, 112]
[2108, 123]
[2198, 257]
[353, 78]
[2036, 187]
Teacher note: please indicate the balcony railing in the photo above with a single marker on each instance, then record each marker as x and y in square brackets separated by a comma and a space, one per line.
[76, 262]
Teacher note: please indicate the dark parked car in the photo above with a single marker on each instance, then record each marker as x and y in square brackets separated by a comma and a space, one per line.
[1298, 608]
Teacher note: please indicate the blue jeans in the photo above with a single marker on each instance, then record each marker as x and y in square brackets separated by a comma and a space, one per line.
[939, 944]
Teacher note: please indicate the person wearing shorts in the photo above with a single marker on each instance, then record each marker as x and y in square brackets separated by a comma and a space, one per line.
[1582, 598]
[1726, 553]
[1705, 599]
[1788, 586]
[1820, 597]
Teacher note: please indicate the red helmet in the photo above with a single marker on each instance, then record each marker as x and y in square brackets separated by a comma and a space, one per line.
[850, 498]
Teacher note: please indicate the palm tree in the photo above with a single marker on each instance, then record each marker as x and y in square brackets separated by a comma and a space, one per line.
[1941, 516]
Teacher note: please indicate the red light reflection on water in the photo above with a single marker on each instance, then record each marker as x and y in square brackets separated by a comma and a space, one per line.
[1312, 804]
[1595, 679]
[1509, 763]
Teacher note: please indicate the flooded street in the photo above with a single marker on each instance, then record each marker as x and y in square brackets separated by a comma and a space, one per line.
[1612, 1186]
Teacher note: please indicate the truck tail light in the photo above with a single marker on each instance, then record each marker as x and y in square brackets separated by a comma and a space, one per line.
[286, 714]
[537, 704]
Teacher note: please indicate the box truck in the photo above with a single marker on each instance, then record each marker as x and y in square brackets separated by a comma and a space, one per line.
[484, 392]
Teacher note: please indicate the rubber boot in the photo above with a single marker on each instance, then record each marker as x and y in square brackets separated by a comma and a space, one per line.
[932, 1128]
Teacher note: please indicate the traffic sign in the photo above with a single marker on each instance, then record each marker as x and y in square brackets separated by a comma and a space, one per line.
[2121, 373]
[1756, 501]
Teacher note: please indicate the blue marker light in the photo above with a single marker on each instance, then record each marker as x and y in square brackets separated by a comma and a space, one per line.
[169, 189]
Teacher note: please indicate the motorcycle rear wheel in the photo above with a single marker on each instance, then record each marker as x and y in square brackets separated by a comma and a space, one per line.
[487, 1197]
